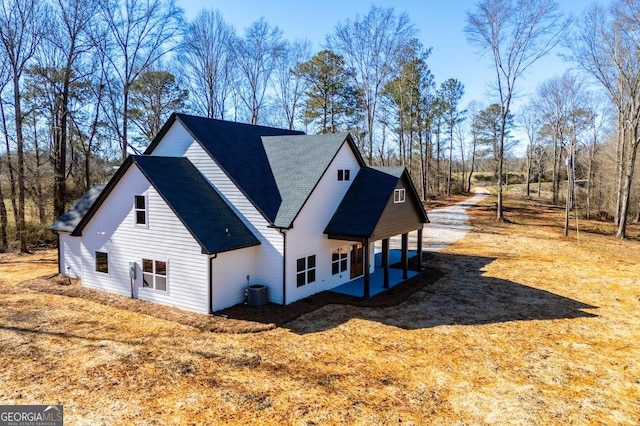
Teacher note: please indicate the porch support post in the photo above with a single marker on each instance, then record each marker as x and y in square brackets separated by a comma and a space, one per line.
[405, 256]
[385, 261]
[420, 249]
[367, 280]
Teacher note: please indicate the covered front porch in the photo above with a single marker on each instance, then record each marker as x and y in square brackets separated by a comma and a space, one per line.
[377, 278]
[381, 203]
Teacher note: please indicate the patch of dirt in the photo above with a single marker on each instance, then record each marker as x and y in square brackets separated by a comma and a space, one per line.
[445, 201]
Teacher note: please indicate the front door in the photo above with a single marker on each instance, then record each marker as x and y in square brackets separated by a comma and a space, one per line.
[356, 260]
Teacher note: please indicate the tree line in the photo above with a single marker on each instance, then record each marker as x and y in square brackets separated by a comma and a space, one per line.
[84, 82]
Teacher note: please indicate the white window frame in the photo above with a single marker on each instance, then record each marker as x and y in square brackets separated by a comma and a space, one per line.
[96, 262]
[341, 262]
[399, 195]
[307, 272]
[137, 210]
[154, 276]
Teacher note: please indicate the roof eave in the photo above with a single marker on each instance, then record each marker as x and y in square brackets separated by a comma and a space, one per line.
[240, 247]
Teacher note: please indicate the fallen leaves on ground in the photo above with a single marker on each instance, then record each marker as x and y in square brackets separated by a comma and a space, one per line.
[526, 327]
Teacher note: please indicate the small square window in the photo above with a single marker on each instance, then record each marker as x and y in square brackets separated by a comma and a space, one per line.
[140, 202]
[102, 262]
[344, 174]
[300, 279]
[147, 265]
[399, 195]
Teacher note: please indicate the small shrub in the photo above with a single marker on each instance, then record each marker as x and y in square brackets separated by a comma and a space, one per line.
[39, 236]
[603, 216]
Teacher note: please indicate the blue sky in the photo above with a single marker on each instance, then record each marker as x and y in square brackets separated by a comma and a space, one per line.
[440, 24]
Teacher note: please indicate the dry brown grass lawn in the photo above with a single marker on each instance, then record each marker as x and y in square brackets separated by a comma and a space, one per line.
[526, 327]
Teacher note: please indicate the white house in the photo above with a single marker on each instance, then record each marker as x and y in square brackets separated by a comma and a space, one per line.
[213, 206]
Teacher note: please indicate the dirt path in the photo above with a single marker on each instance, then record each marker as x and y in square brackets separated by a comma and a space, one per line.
[449, 224]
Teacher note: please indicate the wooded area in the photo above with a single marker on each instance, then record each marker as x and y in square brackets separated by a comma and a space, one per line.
[83, 83]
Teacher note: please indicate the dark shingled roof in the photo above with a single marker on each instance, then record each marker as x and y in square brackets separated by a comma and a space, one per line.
[196, 203]
[237, 148]
[70, 219]
[363, 204]
[298, 163]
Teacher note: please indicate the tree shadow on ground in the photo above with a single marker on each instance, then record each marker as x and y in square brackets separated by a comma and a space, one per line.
[279, 315]
[463, 296]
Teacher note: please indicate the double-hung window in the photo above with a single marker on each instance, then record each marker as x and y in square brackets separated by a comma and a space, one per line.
[306, 270]
[339, 260]
[140, 209]
[154, 274]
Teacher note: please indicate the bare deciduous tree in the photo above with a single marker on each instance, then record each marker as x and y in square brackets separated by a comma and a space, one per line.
[256, 56]
[373, 46]
[529, 121]
[140, 33]
[22, 26]
[62, 68]
[289, 86]
[517, 33]
[208, 59]
[606, 46]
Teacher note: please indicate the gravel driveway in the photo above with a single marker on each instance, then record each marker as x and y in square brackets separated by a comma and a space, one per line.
[449, 224]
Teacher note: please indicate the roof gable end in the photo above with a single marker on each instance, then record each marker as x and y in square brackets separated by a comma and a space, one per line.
[298, 164]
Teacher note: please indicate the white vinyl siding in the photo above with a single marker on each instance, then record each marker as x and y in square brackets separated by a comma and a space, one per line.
[268, 259]
[229, 272]
[307, 237]
[268, 264]
[70, 249]
[166, 238]
[175, 142]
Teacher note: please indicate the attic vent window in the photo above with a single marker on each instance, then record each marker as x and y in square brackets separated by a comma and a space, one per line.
[140, 209]
[399, 195]
[344, 174]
